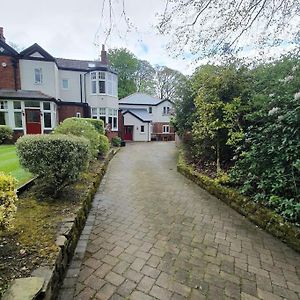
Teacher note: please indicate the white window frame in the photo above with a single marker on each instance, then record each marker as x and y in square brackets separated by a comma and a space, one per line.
[110, 83]
[62, 84]
[143, 126]
[166, 129]
[4, 108]
[18, 110]
[100, 112]
[150, 110]
[38, 72]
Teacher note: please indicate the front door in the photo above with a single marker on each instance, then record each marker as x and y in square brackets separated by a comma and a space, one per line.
[33, 121]
[128, 135]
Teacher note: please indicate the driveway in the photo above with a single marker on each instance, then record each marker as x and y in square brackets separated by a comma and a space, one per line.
[153, 234]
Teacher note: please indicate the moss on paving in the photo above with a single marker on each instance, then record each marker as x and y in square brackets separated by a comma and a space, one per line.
[9, 164]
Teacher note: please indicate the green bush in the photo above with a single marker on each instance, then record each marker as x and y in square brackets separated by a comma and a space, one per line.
[104, 145]
[6, 133]
[8, 197]
[83, 128]
[98, 124]
[116, 141]
[57, 159]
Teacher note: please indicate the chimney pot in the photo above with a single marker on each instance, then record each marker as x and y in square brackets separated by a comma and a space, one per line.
[104, 58]
[2, 38]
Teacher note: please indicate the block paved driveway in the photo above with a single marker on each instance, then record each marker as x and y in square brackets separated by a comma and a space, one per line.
[153, 234]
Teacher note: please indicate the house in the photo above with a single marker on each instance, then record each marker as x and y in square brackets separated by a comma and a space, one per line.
[146, 118]
[37, 90]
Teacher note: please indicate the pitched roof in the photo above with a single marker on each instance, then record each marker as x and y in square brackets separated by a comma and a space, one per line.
[36, 48]
[82, 65]
[141, 114]
[22, 94]
[5, 49]
[140, 98]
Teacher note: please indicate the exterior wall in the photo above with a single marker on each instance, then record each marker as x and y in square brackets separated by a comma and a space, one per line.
[49, 71]
[157, 112]
[159, 135]
[70, 110]
[73, 93]
[9, 75]
[111, 134]
[138, 136]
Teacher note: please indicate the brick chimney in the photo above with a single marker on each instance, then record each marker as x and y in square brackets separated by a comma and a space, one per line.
[2, 38]
[104, 58]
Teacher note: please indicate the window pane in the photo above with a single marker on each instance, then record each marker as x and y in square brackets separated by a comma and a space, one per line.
[32, 104]
[47, 120]
[94, 111]
[94, 87]
[115, 123]
[3, 104]
[150, 110]
[3, 118]
[65, 83]
[110, 120]
[38, 76]
[93, 75]
[102, 111]
[103, 119]
[101, 75]
[102, 87]
[33, 116]
[18, 120]
[94, 117]
[142, 128]
[17, 104]
[46, 106]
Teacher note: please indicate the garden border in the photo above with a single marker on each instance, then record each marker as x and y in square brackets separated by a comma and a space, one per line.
[68, 236]
[256, 213]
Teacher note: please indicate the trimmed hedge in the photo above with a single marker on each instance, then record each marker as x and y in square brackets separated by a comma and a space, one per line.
[103, 145]
[8, 198]
[82, 128]
[258, 214]
[6, 133]
[57, 159]
[116, 141]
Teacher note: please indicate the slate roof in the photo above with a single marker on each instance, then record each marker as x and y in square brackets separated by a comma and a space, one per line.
[81, 65]
[22, 94]
[140, 99]
[141, 114]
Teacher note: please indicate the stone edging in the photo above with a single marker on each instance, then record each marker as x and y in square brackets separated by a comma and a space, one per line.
[68, 235]
[258, 214]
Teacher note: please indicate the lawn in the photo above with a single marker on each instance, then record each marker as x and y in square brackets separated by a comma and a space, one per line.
[9, 164]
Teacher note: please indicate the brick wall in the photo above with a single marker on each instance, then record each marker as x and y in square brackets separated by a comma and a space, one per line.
[70, 110]
[158, 132]
[7, 73]
[121, 124]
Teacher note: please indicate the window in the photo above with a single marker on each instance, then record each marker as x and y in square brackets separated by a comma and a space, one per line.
[142, 128]
[94, 82]
[38, 76]
[65, 84]
[17, 114]
[104, 83]
[166, 129]
[32, 104]
[150, 110]
[108, 115]
[166, 110]
[47, 115]
[3, 113]
[78, 115]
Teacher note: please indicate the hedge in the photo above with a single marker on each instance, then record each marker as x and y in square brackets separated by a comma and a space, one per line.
[6, 133]
[98, 124]
[8, 198]
[57, 159]
[116, 141]
[103, 145]
[82, 128]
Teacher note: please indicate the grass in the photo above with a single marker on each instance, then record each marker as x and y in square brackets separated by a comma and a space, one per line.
[9, 164]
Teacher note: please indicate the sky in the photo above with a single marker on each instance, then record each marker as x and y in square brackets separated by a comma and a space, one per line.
[70, 29]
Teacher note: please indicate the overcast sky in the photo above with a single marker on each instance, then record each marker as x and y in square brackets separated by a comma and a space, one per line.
[67, 28]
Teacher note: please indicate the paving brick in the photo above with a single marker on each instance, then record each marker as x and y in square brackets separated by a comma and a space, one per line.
[105, 292]
[137, 295]
[121, 267]
[94, 282]
[146, 284]
[133, 275]
[114, 278]
[126, 288]
[138, 264]
[151, 272]
[160, 293]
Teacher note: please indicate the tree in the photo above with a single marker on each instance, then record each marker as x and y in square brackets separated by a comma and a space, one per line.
[144, 78]
[168, 83]
[210, 27]
[126, 64]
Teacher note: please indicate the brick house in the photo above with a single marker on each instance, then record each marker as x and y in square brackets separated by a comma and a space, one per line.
[146, 118]
[37, 90]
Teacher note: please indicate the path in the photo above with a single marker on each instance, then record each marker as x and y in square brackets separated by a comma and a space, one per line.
[156, 235]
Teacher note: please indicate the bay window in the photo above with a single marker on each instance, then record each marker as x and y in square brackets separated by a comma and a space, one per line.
[104, 83]
[107, 115]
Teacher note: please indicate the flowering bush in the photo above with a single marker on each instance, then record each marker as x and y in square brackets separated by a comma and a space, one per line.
[8, 198]
[57, 159]
[5, 133]
[80, 127]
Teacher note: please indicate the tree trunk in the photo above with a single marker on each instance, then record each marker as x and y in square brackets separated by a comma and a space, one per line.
[218, 155]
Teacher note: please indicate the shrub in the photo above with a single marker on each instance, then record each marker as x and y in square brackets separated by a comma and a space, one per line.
[80, 127]
[116, 141]
[104, 145]
[56, 159]
[6, 133]
[8, 198]
[98, 124]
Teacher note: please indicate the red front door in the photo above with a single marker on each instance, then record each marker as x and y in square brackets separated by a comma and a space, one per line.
[33, 121]
[128, 135]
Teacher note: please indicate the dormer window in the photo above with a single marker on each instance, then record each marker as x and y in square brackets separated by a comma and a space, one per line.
[38, 76]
